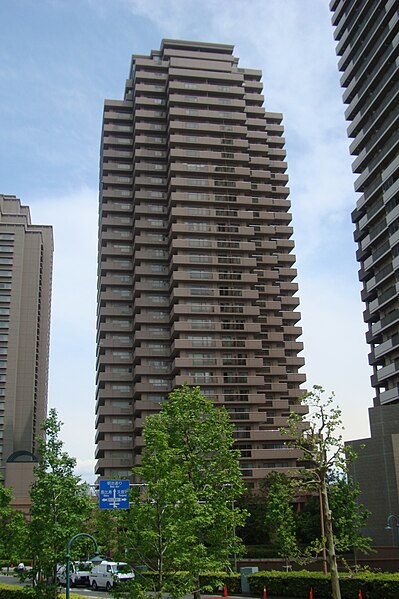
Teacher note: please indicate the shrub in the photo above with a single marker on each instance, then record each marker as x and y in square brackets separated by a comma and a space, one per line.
[8, 591]
[297, 584]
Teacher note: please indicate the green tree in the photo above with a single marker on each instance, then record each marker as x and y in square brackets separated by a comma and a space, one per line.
[187, 518]
[254, 531]
[280, 516]
[13, 528]
[108, 527]
[323, 451]
[60, 504]
[348, 514]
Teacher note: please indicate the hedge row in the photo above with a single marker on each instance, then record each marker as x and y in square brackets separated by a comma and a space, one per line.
[8, 591]
[283, 584]
[209, 582]
[297, 584]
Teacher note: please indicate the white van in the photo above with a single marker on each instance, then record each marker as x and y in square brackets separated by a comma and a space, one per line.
[78, 573]
[107, 574]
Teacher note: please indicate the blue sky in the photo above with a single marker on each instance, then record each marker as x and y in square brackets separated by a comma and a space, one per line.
[59, 60]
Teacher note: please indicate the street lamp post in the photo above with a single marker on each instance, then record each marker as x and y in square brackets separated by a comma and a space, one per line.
[389, 525]
[68, 558]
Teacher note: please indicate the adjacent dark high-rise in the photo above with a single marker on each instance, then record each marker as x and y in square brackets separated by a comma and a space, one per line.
[367, 35]
[26, 258]
[196, 278]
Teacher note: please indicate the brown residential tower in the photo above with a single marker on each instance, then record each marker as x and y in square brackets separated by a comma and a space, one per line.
[196, 278]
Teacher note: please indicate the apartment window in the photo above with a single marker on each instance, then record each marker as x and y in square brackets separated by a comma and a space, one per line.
[6, 236]
[124, 249]
[123, 421]
[233, 324]
[201, 377]
[233, 342]
[122, 278]
[121, 292]
[234, 359]
[203, 359]
[199, 243]
[201, 291]
[201, 341]
[158, 299]
[122, 354]
[156, 236]
[121, 388]
[198, 226]
[233, 308]
[122, 338]
[198, 196]
[158, 268]
[6, 260]
[6, 248]
[122, 263]
[235, 377]
[201, 307]
[158, 364]
[122, 438]
[158, 330]
[158, 382]
[200, 274]
[201, 323]
[119, 322]
[155, 397]
[157, 346]
[200, 258]
[224, 291]
[158, 283]
[118, 403]
[4, 324]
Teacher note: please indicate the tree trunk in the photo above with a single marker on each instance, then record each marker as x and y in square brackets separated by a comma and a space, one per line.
[332, 558]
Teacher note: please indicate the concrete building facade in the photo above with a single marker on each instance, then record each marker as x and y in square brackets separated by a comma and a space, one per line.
[26, 252]
[367, 35]
[196, 277]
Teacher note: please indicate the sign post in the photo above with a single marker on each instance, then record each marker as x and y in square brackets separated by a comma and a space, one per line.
[114, 495]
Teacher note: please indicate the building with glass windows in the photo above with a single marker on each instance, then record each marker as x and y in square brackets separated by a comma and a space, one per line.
[196, 277]
[367, 35]
[26, 255]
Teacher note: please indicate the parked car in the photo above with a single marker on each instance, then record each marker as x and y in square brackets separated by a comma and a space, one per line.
[79, 573]
[108, 574]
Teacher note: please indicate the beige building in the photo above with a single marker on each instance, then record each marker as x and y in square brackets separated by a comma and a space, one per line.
[26, 254]
[196, 267]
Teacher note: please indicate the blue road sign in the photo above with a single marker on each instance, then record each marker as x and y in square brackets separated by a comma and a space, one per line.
[114, 494]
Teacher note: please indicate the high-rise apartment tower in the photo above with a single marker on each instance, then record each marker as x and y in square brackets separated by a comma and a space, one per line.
[26, 257]
[196, 270]
[367, 35]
